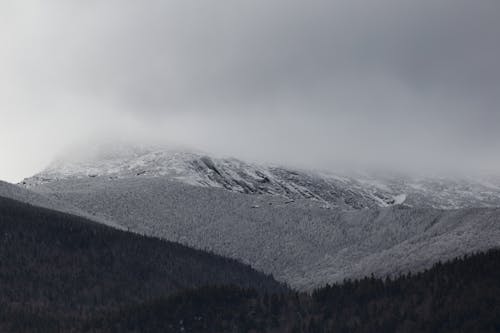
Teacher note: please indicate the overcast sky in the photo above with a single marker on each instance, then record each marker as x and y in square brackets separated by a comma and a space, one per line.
[404, 84]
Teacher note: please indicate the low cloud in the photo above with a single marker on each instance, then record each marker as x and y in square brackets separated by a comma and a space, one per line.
[401, 84]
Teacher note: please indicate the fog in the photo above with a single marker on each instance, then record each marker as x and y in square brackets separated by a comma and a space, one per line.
[405, 85]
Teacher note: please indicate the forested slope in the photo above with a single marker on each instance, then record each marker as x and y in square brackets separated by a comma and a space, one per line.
[300, 242]
[55, 265]
[60, 273]
[458, 296]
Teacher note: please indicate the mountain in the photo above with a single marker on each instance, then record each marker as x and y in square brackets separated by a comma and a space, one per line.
[56, 265]
[299, 242]
[343, 191]
[305, 228]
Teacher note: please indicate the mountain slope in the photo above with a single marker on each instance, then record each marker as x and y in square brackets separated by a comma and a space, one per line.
[299, 242]
[201, 170]
[59, 264]
[334, 190]
[22, 194]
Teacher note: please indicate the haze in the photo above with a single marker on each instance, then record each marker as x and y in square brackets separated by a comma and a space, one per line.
[408, 85]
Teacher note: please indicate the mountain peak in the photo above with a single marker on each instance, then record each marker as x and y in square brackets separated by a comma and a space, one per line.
[123, 160]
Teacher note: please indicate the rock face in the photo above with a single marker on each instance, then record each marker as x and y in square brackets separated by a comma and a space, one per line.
[333, 190]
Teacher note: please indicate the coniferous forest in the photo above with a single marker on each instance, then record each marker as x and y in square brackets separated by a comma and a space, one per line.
[57, 269]
[60, 273]
[458, 296]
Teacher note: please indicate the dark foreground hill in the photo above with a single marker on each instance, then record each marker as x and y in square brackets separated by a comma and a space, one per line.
[458, 296]
[60, 273]
[57, 269]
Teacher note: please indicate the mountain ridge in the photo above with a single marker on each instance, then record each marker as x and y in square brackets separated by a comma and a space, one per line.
[338, 191]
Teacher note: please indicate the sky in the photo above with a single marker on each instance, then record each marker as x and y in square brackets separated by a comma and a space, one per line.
[408, 85]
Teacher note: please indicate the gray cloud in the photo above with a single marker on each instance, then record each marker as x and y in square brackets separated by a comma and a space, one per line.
[313, 83]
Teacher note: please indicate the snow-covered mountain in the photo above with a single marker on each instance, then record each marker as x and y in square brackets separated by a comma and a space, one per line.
[345, 191]
[305, 228]
[299, 242]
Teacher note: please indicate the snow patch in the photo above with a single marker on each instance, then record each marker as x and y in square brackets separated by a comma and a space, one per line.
[399, 199]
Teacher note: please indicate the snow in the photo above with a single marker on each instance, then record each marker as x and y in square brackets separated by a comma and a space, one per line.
[399, 199]
[337, 190]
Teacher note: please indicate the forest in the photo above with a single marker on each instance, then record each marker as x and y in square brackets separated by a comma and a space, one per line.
[458, 296]
[60, 273]
[57, 268]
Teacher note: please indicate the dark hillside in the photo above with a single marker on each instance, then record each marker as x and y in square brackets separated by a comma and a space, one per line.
[57, 265]
[60, 273]
[459, 296]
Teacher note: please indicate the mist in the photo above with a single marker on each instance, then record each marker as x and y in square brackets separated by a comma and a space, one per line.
[405, 85]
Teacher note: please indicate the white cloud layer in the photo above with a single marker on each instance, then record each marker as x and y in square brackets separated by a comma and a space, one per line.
[405, 84]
